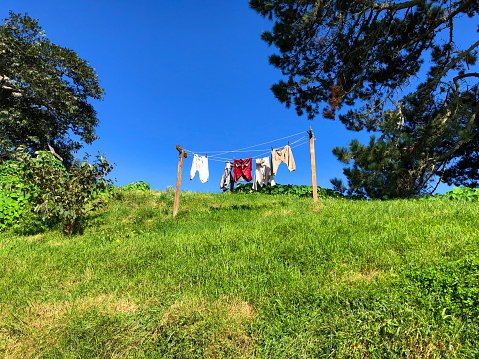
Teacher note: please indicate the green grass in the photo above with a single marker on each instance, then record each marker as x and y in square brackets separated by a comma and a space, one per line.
[243, 276]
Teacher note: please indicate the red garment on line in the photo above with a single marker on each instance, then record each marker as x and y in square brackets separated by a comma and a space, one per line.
[242, 168]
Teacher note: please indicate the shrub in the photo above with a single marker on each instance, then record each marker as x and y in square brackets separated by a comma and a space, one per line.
[138, 186]
[292, 190]
[61, 193]
[14, 197]
[457, 193]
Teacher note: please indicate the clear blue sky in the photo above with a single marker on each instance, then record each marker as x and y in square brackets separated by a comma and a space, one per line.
[190, 72]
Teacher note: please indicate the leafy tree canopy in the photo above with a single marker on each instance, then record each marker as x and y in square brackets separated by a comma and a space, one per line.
[366, 56]
[44, 92]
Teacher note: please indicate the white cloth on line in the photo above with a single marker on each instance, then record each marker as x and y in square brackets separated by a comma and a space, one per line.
[200, 164]
[227, 176]
[262, 173]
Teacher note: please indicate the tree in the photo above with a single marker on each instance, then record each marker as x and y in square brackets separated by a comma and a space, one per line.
[44, 92]
[365, 56]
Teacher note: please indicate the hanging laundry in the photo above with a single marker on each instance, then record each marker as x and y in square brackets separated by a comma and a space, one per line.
[262, 173]
[200, 164]
[227, 176]
[284, 155]
[242, 170]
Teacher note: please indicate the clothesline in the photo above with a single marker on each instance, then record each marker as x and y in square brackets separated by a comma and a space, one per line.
[216, 154]
[264, 152]
[242, 169]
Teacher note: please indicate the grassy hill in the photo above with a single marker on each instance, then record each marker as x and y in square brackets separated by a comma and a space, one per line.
[246, 276]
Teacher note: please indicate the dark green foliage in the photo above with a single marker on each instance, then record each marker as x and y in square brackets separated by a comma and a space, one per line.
[449, 290]
[380, 169]
[63, 194]
[44, 92]
[465, 171]
[364, 57]
[290, 190]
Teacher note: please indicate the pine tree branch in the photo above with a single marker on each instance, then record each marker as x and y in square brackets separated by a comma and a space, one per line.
[461, 76]
[387, 6]
[437, 79]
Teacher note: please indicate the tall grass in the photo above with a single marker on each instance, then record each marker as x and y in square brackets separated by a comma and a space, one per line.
[238, 276]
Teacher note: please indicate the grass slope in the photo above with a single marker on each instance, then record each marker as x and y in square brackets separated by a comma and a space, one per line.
[243, 276]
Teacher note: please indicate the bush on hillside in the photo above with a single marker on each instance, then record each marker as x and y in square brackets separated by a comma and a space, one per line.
[457, 193]
[64, 194]
[292, 190]
[14, 197]
[138, 186]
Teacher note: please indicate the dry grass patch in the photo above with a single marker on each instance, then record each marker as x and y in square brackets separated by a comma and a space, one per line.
[129, 219]
[267, 213]
[34, 238]
[412, 346]
[56, 244]
[317, 207]
[106, 303]
[24, 332]
[243, 309]
[281, 212]
[212, 330]
[366, 275]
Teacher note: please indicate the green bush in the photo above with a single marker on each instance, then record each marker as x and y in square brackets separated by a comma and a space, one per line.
[291, 190]
[138, 186]
[463, 193]
[10, 211]
[457, 193]
[14, 197]
[61, 193]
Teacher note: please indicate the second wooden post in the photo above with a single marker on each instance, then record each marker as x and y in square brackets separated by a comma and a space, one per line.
[313, 164]
[178, 179]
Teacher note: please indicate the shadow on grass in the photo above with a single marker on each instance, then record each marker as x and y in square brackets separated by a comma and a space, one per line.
[235, 207]
[32, 226]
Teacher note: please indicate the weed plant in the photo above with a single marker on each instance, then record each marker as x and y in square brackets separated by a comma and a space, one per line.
[457, 193]
[14, 198]
[246, 276]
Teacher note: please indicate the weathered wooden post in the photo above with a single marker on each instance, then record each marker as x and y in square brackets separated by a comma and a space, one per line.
[178, 179]
[313, 164]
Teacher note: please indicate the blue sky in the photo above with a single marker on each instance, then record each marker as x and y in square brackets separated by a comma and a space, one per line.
[186, 72]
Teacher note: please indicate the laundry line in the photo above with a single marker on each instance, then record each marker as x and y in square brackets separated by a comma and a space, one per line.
[263, 153]
[214, 155]
[245, 168]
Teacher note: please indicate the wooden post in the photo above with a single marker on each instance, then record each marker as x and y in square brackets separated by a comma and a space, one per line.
[178, 179]
[313, 164]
